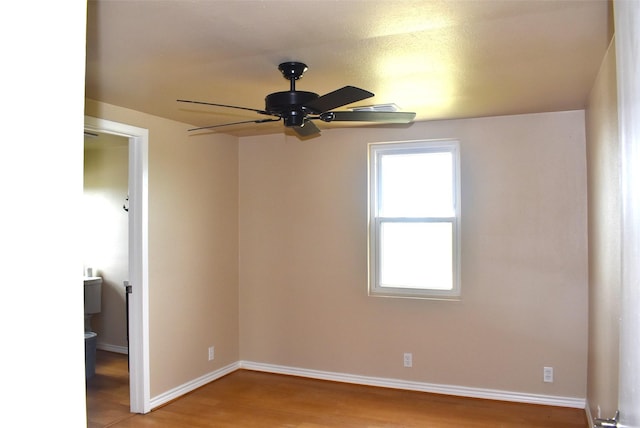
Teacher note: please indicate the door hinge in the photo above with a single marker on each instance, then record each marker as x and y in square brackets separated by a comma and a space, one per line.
[613, 423]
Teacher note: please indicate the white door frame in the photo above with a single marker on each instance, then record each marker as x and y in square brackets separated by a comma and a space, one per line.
[139, 389]
[627, 23]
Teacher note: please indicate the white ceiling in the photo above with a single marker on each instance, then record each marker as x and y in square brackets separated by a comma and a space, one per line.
[439, 58]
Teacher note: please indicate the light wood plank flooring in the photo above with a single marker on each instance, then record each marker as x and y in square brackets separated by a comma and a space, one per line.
[108, 391]
[253, 399]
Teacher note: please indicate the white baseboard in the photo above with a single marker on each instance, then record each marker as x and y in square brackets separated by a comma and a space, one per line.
[174, 393]
[461, 391]
[112, 348]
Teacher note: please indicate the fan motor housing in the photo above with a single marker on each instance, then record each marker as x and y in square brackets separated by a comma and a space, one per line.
[289, 105]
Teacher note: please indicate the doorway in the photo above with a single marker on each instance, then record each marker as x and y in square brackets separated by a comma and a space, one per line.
[137, 211]
[105, 236]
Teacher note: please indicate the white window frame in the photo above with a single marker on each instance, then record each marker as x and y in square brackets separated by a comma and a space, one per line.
[376, 150]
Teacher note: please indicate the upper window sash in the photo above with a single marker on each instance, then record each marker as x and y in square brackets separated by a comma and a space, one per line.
[387, 202]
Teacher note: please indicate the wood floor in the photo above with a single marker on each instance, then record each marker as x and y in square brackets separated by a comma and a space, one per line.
[253, 399]
[108, 391]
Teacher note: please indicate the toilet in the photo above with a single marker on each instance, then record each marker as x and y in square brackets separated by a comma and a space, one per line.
[90, 339]
[92, 299]
[92, 305]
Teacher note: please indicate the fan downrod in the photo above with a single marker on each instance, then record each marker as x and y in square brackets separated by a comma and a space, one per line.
[288, 104]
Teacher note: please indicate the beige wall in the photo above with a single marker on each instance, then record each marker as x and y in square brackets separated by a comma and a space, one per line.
[603, 160]
[105, 233]
[303, 259]
[193, 249]
[301, 224]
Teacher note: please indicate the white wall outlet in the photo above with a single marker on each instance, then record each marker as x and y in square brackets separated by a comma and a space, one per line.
[408, 359]
[212, 353]
[547, 374]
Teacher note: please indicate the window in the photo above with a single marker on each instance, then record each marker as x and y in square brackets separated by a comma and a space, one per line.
[414, 219]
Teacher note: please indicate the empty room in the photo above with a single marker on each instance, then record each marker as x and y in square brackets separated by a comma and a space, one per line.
[350, 214]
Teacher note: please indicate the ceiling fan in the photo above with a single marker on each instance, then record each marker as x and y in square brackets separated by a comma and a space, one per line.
[299, 108]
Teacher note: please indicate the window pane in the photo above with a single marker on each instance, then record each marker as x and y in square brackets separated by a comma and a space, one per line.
[416, 255]
[416, 185]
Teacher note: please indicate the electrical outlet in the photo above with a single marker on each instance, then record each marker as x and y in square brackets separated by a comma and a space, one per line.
[408, 359]
[211, 353]
[547, 374]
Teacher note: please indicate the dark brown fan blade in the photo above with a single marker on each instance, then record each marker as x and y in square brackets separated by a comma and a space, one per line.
[224, 105]
[235, 123]
[368, 116]
[338, 98]
[309, 128]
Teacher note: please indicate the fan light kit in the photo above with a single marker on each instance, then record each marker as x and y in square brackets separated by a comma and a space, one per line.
[377, 107]
[298, 108]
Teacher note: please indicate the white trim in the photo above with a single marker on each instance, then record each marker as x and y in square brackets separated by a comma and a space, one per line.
[627, 33]
[461, 391]
[185, 388]
[139, 383]
[112, 348]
